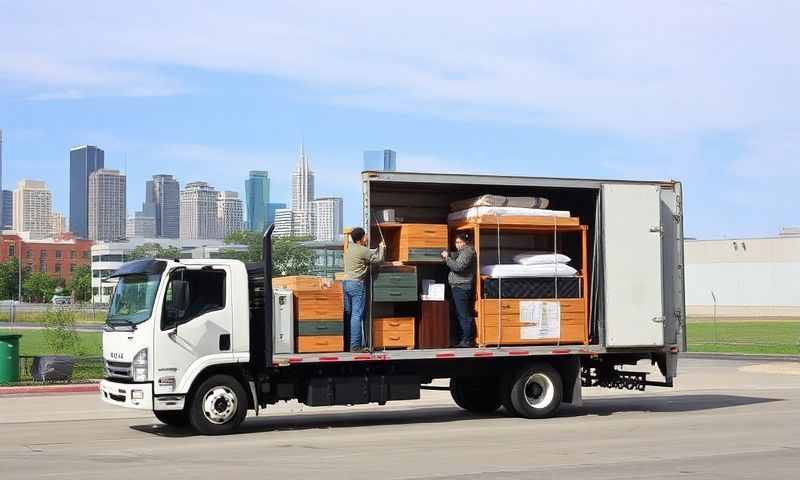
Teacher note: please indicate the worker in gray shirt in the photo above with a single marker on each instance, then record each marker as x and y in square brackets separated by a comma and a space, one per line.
[462, 287]
[357, 260]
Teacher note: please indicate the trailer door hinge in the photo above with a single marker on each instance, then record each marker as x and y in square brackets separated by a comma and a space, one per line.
[659, 319]
[657, 229]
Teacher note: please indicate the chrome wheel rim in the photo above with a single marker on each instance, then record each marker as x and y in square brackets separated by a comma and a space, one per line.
[220, 405]
[539, 390]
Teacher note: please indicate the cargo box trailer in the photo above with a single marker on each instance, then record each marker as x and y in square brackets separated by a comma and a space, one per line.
[202, 342]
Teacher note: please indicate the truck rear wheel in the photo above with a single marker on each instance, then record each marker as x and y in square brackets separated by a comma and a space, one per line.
[173, 418]
[479, 396]
[219, 405]
[536, 391]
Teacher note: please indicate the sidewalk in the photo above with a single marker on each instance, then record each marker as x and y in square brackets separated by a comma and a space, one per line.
[760, 357]
[50, 389]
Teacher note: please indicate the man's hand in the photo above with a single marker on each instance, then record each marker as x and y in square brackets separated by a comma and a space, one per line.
[444, 254]
[382, 245]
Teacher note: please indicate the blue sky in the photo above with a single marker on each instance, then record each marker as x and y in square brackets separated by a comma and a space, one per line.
[705, 93]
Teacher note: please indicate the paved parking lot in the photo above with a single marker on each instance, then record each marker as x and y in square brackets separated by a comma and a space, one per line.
[725, 419]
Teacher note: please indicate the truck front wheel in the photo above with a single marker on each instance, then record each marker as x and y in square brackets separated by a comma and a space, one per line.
[173, 418]
[219, 405]
[479, 396]
[535, 391]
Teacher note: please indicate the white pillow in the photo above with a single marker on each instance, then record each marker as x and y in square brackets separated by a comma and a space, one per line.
[540, 258]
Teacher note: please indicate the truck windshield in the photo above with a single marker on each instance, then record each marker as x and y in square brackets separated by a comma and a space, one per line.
[133, 299]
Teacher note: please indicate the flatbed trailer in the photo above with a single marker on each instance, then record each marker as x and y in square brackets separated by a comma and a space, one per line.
[209, 369]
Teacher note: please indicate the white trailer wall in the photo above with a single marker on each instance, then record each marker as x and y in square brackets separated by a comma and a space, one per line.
[750, 277]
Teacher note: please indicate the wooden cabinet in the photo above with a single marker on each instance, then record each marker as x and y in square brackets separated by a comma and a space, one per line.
[318, 313]
[393, 332]
[499, 322]
[320, 344]
[422, 242]
[433, 328]
[395, 284]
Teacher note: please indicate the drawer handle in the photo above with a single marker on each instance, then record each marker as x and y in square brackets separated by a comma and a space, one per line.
[431, 231]
[394, 338]
[394, 324]
[322, 343]
[395, 294]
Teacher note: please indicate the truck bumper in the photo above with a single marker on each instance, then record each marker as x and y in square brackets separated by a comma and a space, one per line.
[128, 395]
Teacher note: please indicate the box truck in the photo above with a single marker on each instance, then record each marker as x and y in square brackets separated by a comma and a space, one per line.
[201, 342]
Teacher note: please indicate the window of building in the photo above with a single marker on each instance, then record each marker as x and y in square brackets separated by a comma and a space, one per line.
[42, 253]
[72, 254]
[85, 254]
[42, 265]
[58, 253]
[95, 258]
[204, 293]
[58, 267]
[107, 290]
[95, 290]
[12, 250]
[29, 254]
[72, 267]
[29, 267]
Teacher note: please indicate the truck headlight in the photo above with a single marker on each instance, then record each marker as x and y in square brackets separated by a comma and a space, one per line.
[139, 366]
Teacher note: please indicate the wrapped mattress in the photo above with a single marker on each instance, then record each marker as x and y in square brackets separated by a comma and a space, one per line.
[476, 212]
[523, 271]
[499, 201]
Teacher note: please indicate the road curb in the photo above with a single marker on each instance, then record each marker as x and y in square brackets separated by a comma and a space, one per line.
[50, 389]
[741, 356]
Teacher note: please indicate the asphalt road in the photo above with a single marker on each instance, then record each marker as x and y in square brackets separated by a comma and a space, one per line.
[725, 419]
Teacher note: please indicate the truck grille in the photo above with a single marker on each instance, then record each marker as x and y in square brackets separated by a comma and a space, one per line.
[118, 370]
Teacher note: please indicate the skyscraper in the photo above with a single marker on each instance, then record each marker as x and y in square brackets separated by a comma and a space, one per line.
[199, 212]
[271, 209]
[283, 223]
[328, 213]
[107, 205]
[2, 198]
[162, 202]
[380, 160]
[141, 225]
[256, 190]
[83, 161]
[302, 195]
[33, 206]
[8, 210]
[230, 213]
[58, 224]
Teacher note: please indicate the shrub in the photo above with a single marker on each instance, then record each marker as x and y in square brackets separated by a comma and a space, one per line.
[59, 331]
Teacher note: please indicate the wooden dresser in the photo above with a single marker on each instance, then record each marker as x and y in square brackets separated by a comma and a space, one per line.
[393, 332]
[318, 313]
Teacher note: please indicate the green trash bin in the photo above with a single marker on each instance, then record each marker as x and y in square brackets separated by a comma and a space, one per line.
[9, 358]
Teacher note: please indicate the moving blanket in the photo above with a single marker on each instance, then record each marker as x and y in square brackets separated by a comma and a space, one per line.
[568, 287]
[522, 271]
[475, 212]
[499, 201]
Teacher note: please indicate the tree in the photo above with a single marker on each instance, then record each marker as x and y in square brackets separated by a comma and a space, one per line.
[81, 284]
[289, 256]
[38, 287]
[9, 279]
[153, 250]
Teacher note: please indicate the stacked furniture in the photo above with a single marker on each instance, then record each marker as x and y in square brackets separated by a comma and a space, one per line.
[393, 332]
[520, 320]
[434, 324]
[318, 312]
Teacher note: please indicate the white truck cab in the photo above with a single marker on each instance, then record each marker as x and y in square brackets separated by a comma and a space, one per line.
[168, 322]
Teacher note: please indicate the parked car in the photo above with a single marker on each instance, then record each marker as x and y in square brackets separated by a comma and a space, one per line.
[61, 300]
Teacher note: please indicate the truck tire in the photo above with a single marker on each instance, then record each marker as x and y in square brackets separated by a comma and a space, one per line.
[506, 382]
[173, 418]
[536, 391]
[475, 395]
[219, 406]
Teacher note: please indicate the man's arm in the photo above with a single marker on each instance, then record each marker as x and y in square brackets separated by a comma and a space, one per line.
[462, 262]
[376, 256]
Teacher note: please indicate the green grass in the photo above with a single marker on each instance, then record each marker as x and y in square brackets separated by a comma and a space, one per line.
[81, 316]
[33, 343]
[763, 337]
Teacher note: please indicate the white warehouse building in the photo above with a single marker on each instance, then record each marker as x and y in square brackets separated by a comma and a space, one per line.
[745, 277]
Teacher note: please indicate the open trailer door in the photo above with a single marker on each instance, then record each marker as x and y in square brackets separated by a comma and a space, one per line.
[634, 309]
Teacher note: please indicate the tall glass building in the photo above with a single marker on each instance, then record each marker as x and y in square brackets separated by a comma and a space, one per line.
[162, 202]
[256, 189]
[380, 160]
[271, 208]
[83, 161]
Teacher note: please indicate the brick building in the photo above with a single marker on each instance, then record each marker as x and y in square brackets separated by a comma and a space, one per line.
[58, 257]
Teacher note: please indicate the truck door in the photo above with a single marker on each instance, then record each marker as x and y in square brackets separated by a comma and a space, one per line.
[196, 324]
[634, 310]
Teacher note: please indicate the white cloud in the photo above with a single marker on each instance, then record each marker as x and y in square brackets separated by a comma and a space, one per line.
[625, 67]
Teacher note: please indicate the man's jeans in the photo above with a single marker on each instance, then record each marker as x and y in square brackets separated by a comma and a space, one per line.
[462, 301]
[355, 299]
